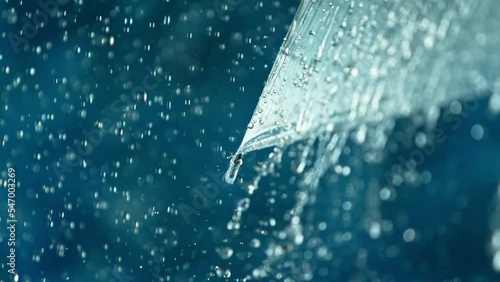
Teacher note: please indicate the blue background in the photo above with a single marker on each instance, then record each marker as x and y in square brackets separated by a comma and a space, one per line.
[103, 222]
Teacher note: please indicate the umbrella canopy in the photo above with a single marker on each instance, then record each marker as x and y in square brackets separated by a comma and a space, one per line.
[344, 64]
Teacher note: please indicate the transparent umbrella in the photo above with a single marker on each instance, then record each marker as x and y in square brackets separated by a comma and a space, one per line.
[350, 64]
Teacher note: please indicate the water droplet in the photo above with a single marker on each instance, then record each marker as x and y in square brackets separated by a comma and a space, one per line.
[224, 252]
[222, 272]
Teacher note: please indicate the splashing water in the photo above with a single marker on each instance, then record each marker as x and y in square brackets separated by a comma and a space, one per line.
[350, 68]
